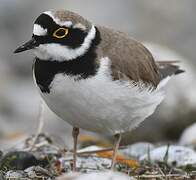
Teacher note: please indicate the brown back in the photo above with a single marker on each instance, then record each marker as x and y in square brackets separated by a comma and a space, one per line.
[130, 59]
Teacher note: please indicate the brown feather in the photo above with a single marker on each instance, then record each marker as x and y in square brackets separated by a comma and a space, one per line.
[130, 59]
[73, 17]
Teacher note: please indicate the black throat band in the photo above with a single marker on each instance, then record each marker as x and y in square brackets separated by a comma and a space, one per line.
[83, 66]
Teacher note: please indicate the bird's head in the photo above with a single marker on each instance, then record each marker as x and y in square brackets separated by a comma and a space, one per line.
[60, 36]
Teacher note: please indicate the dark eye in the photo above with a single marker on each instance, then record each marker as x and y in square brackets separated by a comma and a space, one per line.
[60, 33]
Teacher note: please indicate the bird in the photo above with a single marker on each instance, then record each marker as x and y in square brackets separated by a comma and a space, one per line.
[94, 77]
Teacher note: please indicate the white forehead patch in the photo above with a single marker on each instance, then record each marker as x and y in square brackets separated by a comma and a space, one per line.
[80, 26]
[39, 31]
[57, 21]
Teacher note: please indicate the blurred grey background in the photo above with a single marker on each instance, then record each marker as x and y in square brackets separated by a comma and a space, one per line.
[168, 28]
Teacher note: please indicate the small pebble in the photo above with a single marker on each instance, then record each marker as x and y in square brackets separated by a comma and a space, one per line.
[88, 164]
[17, 161]
[34, 170]
[178, 156]
[15, 175]
[188, 137]
[136, 150]
[96, 176]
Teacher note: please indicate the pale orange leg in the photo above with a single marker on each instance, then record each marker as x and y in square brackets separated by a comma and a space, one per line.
[117, 139]
[75, 134]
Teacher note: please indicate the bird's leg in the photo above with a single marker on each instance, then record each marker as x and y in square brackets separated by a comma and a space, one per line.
[117, 139]
[40, 124]
[75, 134]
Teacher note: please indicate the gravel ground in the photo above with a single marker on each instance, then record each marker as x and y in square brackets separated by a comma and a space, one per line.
[42, 159]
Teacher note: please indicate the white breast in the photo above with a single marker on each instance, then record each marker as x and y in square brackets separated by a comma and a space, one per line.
[100, 104]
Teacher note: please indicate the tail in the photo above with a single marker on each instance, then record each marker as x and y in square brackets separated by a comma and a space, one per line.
[168, 68]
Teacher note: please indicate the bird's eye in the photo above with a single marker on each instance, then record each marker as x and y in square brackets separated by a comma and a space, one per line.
[60, 33]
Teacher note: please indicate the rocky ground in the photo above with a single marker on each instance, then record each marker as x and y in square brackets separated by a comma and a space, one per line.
[42, 159]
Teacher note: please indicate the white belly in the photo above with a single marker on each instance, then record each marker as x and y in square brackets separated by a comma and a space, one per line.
[100, 104]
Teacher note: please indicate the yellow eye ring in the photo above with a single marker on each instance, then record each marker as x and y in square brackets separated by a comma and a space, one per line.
[64, 30]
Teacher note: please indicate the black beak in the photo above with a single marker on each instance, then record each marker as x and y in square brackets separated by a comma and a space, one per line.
[27, 46]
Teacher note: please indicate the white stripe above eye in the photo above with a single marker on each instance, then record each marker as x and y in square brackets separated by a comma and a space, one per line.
[39, 31]
[57, 21]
